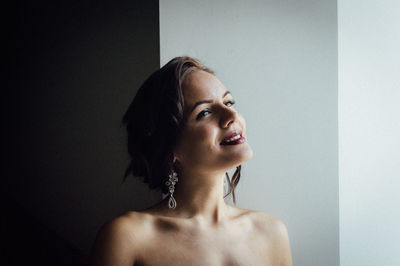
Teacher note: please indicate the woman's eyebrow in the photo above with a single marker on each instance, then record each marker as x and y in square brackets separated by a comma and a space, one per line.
[207, 101]
[226, 93]
[200, 102]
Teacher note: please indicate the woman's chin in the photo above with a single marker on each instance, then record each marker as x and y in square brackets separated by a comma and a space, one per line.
[245, 154]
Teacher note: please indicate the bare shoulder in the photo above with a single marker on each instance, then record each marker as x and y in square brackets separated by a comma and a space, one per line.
[269, 223]
[261, 220]
[126, 227]
[275, 233]
[118, 240]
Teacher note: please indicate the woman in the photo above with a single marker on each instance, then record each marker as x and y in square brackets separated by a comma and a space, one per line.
[184, 134]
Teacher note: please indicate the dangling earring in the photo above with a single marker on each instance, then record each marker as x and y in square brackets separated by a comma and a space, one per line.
[173, 179]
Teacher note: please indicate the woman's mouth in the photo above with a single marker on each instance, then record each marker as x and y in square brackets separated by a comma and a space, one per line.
[234, 139]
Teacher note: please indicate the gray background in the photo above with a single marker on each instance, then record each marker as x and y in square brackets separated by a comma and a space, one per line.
[369, 130]
[279, 58]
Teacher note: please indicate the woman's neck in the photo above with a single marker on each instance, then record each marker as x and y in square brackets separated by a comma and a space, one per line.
[201, 197]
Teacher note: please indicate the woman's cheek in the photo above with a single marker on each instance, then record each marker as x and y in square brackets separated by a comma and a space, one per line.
[242, 121]
[201, 136]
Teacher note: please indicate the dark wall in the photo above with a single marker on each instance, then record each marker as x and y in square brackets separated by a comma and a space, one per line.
[73, 68]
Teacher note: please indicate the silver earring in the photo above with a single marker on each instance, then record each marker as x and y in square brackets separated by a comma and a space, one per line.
[173, 179]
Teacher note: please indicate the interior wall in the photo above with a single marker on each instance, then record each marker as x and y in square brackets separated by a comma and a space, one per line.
[74, 67]
[369, 132]
[279, 58]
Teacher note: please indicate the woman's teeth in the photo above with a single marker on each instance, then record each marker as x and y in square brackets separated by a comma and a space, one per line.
[232, 139]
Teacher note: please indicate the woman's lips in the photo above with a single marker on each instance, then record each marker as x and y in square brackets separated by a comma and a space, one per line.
[234, 139]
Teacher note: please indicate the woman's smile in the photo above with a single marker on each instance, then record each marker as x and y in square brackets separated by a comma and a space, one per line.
[234, 139]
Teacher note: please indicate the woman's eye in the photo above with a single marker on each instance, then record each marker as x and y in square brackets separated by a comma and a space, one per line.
[230, 103]
[202, 113]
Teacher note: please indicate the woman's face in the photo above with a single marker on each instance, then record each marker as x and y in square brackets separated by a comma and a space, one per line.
[214, 135]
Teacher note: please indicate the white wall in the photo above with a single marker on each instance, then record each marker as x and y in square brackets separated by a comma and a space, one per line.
[279, 58]
[369, 132]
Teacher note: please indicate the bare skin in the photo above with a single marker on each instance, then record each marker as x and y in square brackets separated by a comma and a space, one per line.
[203, 229]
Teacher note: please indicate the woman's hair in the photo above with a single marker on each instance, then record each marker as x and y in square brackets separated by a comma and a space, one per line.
[154, 121]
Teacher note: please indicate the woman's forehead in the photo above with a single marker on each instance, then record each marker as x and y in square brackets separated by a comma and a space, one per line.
[200, 85]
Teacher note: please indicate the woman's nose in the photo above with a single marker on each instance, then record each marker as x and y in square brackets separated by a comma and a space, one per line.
[228, 116]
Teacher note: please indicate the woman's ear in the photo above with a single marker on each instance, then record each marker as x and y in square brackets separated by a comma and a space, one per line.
[175, 155]
[176, 163]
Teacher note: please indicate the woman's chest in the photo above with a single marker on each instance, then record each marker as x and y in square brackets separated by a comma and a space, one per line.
[211, 248]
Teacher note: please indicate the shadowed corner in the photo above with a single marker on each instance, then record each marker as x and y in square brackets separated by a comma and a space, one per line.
[29, 242]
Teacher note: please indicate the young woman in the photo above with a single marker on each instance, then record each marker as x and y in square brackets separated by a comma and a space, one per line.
[184, 134]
